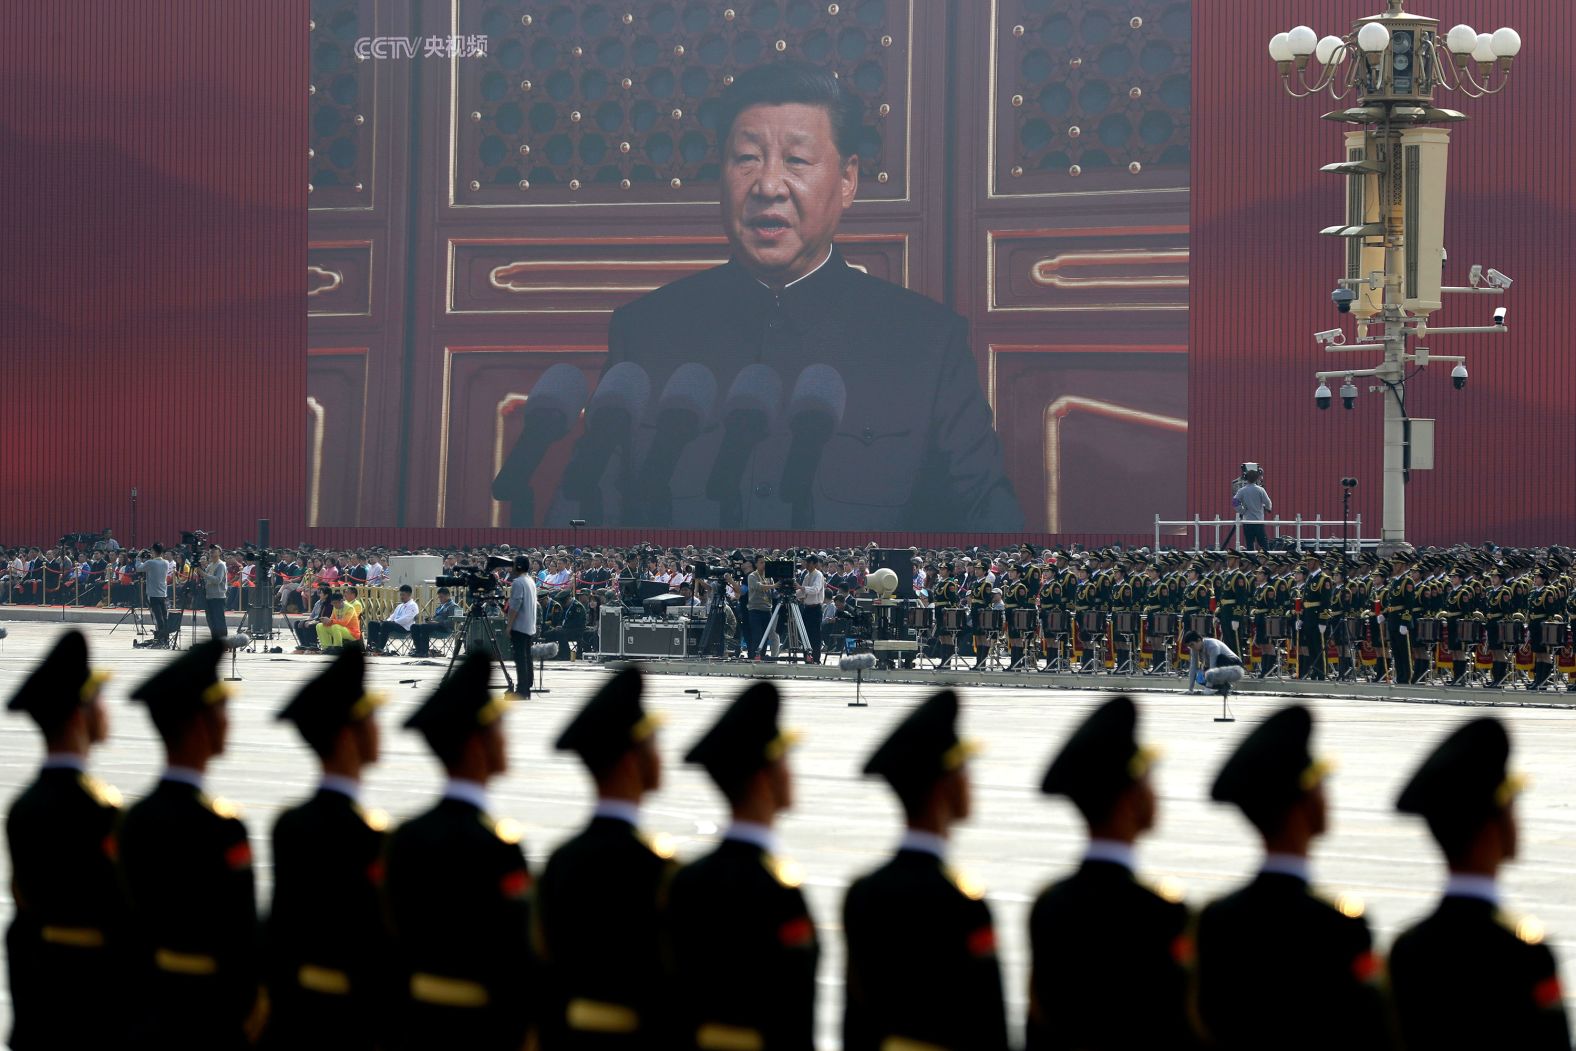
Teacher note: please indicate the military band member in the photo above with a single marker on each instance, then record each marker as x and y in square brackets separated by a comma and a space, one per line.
[1472, 975]
[980, 598]
[598, 902]
[327, 955]
[457, 885]
[1196, 597]
[744, 944]
[1544, 605]
[1265, 605]
[187, 865]
[1279, 966]
[1053, 596]
[1499, 612]
[922, 970]
[1032, 571]
[1316, 590]
[1109, 953]
[1234, 594]
[949, 595]
[1398, 601]
[1017, 595]
[67, 948]
[1121, 599]
[1460, 603]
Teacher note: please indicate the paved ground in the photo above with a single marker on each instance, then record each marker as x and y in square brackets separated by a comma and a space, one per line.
[844, 824]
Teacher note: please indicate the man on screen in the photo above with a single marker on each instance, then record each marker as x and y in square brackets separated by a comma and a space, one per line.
[891, 431]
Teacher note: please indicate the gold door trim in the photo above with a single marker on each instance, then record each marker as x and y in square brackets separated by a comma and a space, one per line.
[319, 426]
[1059, 410]
[1061, 270]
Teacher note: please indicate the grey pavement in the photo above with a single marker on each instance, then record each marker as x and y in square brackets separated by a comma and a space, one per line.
[843, 824]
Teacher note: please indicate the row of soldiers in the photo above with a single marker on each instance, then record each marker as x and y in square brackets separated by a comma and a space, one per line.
[138, 930]
[1330, 609]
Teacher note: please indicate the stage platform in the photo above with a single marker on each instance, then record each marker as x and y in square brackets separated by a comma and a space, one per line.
[844, 824]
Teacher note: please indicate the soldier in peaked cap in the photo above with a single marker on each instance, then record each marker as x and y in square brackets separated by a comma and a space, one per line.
[922, 966]
[1472, 975]
[187, 865]
[457, 886]
[326, 946]
[68, 940]
[744, 944]
[1277, 964]
[598, 903]
[1110, 955]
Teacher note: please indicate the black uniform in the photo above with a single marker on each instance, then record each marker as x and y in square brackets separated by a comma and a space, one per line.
[1110, 955]
[1316, 592]
[67, 946]
[1280, 966]
[329, 975]
[457, 895]
[744, 945]
[1471, 975]
[921, 962]
[599, 900]
[915, 448]
[187, 864]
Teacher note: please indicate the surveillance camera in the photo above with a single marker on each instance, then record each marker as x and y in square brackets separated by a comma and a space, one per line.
[1348, 394]
[1342, 298]
[1321, 396]
[1498, 280]
[1348, 483]
[1475, 275]
[1458, 376]
[1331, 335]
[1499, 316]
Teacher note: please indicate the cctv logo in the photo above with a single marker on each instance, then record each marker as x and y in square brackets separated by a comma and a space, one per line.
[385, 47]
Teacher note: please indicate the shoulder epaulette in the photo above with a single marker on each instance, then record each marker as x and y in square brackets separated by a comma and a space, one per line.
[103, 792]
[504, 828]
[1528, 928]
[220, 805]
[782, 870]
[968, 886]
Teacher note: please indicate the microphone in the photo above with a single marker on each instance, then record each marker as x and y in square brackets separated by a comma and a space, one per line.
[857, 662]
[815, 408]
[238, 641]
[552, 406]
[620, 398]
[749, 411]
[682, 410]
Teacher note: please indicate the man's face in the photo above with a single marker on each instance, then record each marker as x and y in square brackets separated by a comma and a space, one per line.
[784, 189]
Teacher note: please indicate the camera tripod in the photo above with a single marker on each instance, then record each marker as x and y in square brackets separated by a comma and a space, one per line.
[477, 614]
[798, 638]
[135, 613]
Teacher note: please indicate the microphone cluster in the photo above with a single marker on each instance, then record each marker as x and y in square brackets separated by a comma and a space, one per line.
[748, 412]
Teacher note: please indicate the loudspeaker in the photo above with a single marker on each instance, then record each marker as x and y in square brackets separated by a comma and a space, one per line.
[899, 561]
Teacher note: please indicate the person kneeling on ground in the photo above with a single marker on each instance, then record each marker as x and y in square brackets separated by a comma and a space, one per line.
[1212, 664]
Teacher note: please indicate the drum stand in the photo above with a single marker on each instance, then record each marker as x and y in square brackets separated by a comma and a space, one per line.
[995, 647]
[954, 661]
[1127, 667]
[922, 660]
[1280, 665]
[1056, 655]
[1094, 656]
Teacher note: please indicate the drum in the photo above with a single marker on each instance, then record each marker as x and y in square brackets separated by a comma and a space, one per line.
[1203, 623]
[1425, 631]
[950, 620]
[1091, 622]
[1469, 632]
[1022, 621]
[1126, 622]
[987, 620]
[1549, 633]
[922, 618]
[1277, 627]
[1161, 624]
[1054, 621]
[1504, 635]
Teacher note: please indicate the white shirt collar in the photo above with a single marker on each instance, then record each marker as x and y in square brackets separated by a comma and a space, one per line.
[1462, 885]
[924, 842]
[753, 832]
[1110, 850]
[472, 792]
[345, 786]
[825, 259]
[619, 809]
[184, 775]
[65, 761]
[1286, 865]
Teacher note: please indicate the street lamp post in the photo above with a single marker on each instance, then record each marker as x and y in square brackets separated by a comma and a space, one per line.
[1394, 165]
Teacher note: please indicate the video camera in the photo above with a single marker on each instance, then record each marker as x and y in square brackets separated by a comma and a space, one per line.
[701, 571]
[479, 582]
[779, 570]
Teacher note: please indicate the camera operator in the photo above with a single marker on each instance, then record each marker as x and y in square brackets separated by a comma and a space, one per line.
[1252, 505]
[521, 612]
[215, 585]
[156, 575]
[759, 608]
[812, 595]
[444, 614]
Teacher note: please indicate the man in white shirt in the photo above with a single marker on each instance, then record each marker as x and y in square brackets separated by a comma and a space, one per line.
[812, 592]
[377, 573]
[399, 622]
[521, 612]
